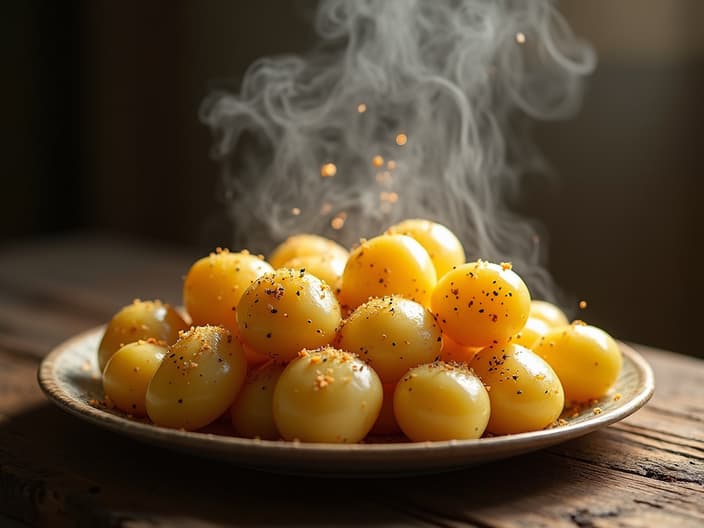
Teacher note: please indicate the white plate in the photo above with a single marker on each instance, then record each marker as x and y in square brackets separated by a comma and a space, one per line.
[70, 378]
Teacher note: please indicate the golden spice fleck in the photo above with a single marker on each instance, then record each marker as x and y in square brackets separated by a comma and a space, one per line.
[328, 170]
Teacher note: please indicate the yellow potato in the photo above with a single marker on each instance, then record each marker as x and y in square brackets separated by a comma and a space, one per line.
[479, 303]
[386, 421]
[586, 359]
[391, 334]
[140, 320]
[388, 265]
[304, 245]
[327, 395]
[533, 330]
[526, 394]
[252, 413]
[285, 311]
[215, 283]
[549, 313]
[197, 380]
[443, 247]
[128, 373]
[441, 401]
[328, 267]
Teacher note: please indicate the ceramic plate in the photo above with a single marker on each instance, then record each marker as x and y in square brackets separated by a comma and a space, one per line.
[70, 378]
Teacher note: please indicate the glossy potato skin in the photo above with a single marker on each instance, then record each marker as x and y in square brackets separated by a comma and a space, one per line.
[391, 334]
[328, 267]
[197, 380]
[304, 245]
[288, 310]
[480, 303]
[128, 373]
[586, 359]
[215, 284]
[252, 413]
[443, 247]
[533, 330]
[525, 393]
[549, 313]
[388, 265]
[386, 424]
[327, 395]
[441, 401]
[139, 320]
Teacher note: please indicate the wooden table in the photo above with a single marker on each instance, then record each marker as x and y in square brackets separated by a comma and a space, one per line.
[56, 470]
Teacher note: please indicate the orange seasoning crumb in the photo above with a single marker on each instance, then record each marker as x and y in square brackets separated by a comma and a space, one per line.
[401, 139]
[377, 161]
[328, 170]
[617, 396]
[597, 410]
[582, 305]
[506, 266]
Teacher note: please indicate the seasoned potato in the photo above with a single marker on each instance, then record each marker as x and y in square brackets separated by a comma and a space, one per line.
[480, 303]
[128, 373]
[586, 359]
[140, 320]
[443, 247]
[388, 265]
[327, 395]
[215, 283]
[391, 334]
[525, 393]
[454, 352]
[441, 401]
[305, 245]
[285, 311]
[197, 380]
[252, 413]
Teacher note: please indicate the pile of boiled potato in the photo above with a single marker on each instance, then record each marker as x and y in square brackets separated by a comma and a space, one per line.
[399, 335]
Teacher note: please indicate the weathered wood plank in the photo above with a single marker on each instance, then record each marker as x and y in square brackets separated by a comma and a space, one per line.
[616, 476]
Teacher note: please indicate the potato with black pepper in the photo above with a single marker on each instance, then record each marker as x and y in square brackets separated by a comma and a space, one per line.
[392, 335]
[197, 380]
[287, 310]
[252, 413]
[525, 393]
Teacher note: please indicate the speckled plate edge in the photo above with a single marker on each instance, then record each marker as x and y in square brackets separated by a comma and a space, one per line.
[68, 377]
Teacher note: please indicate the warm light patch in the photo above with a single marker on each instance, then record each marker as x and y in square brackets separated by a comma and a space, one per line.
[520, 38]
[295, 211]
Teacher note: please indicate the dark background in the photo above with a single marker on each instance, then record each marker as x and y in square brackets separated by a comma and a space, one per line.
[100, 132]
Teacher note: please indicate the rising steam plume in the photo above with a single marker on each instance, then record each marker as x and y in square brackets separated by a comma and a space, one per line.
[455, 76]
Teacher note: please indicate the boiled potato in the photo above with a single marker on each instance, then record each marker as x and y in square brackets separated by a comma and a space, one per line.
[327, 395]
[140, 320]
[443, 247]
[388, 265]
[391, 334]
[533, 330]
[441, 401]
[525, 393]
[197, 380]
[586, 359]
[480, 303]
[287, 310]
[548, 313]
[328, 267]
[215, 283]
[252, 413]
[128, 373]
[386, 421]
[305, 245]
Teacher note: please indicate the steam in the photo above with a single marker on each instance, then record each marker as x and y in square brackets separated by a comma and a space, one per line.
[455, 76]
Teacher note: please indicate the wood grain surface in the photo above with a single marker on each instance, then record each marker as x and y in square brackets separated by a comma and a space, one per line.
[58, 471]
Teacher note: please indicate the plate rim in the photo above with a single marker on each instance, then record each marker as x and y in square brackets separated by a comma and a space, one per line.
[51, 386]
